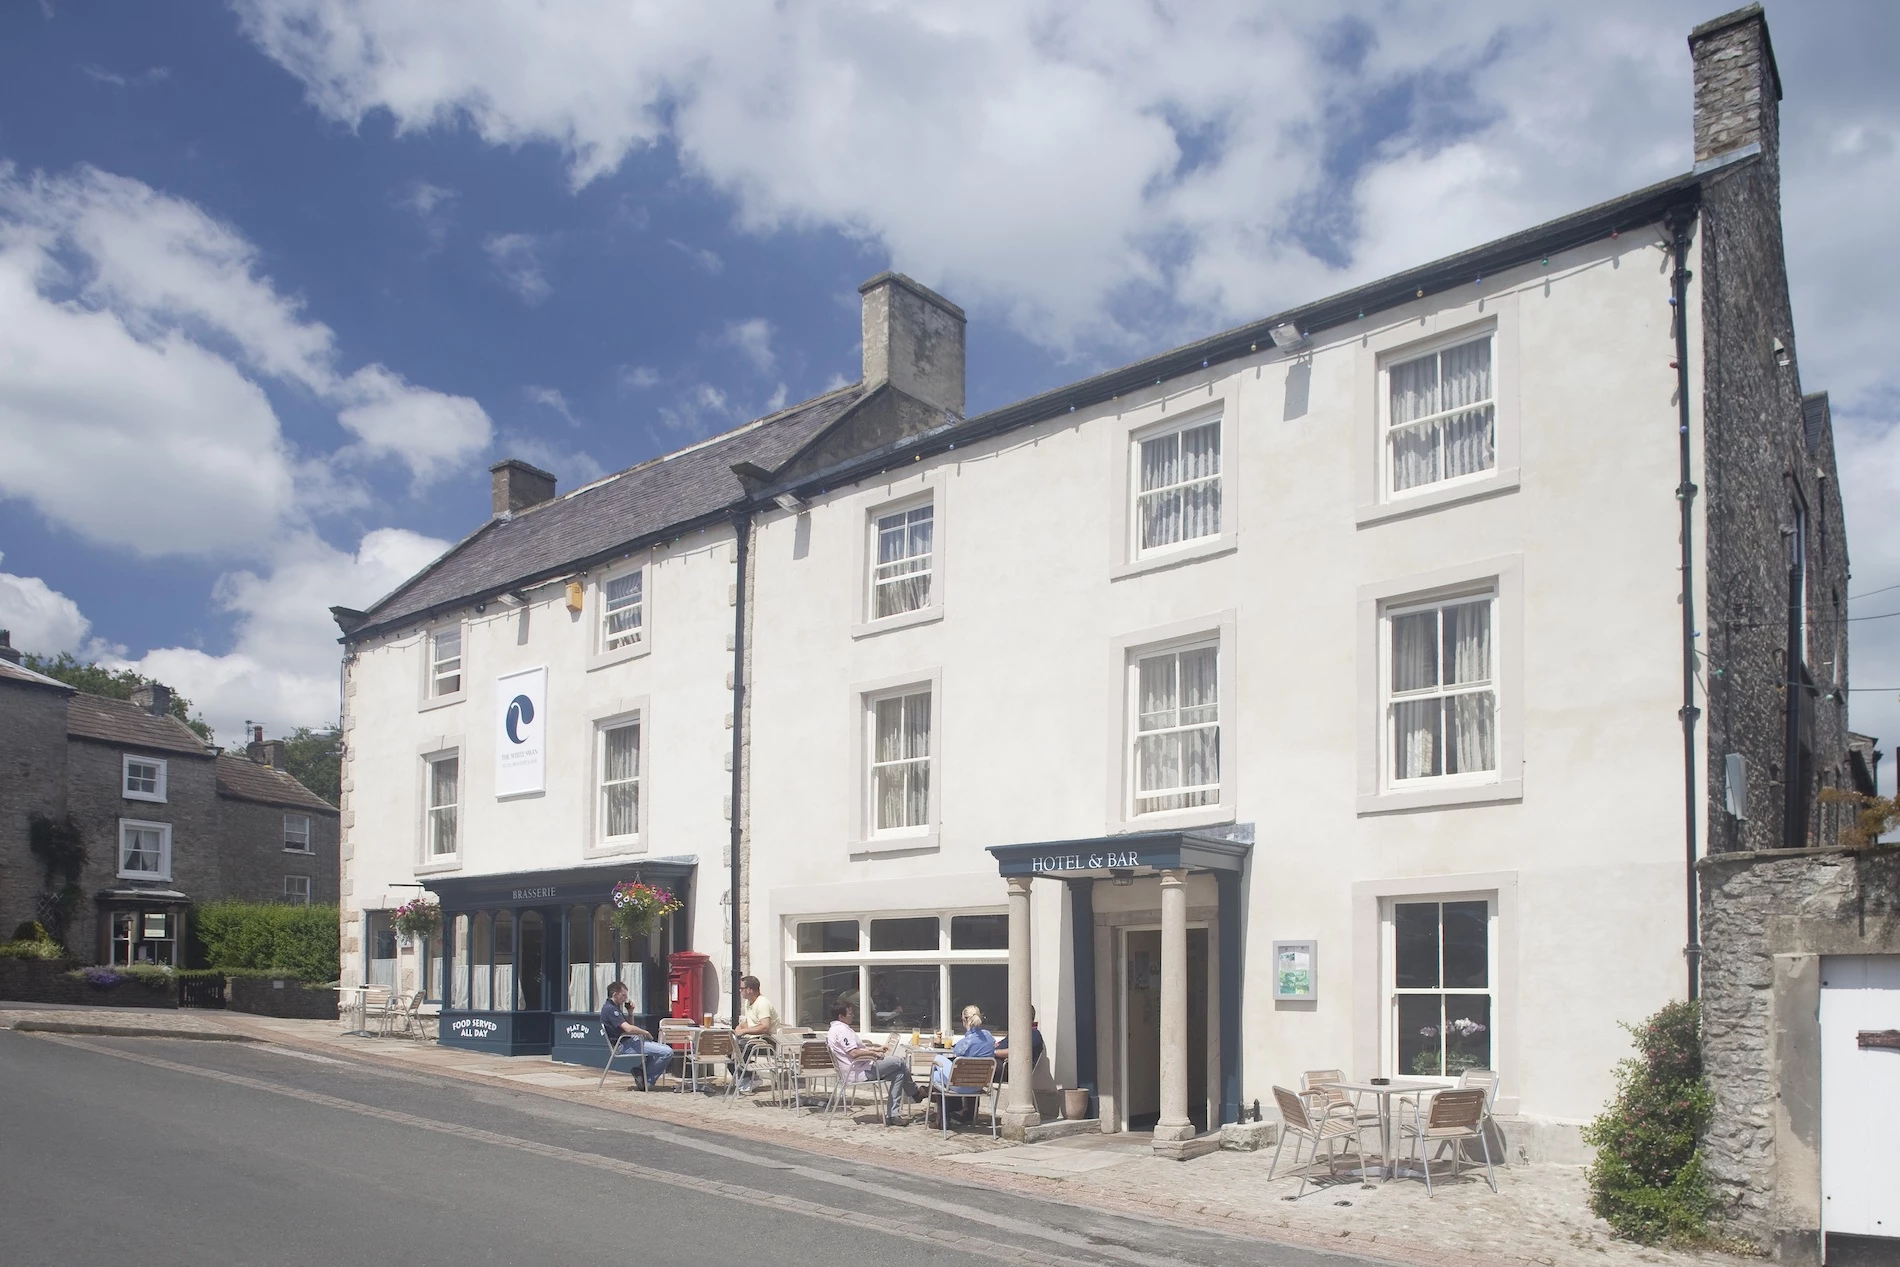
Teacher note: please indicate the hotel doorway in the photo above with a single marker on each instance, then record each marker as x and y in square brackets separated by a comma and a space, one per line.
[1140, 974]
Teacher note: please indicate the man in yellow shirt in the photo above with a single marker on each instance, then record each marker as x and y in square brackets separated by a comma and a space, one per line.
[758, 1020]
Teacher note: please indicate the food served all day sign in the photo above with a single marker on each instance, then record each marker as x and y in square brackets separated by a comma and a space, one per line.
[521, 727]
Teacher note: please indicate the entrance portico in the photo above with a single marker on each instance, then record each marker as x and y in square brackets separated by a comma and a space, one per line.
[1164, 861]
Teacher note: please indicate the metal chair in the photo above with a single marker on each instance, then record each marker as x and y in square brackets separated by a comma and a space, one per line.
[1452, 1117]
[408, 1017]
[1326, 1128]
[709, 1049]
[814, 1064]
[639, 1070]
[850, 1078]
[757, 1060]
[1324, 1098]
[970, 1076]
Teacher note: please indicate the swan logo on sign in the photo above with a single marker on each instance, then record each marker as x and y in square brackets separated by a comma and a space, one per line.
[521, 732]
[520, 713]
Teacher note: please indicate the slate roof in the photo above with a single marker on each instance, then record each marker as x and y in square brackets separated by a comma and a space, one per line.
[11, 672]
[246, 780]
[123, 722]
[608, 515]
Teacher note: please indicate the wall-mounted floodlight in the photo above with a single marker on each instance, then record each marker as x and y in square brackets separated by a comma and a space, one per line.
[1287, 336]
[789, 502]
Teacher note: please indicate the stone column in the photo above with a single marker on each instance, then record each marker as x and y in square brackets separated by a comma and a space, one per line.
[1019, 1098]
[1174, 1127]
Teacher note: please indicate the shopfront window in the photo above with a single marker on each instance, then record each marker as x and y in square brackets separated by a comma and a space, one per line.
[901, 972]
[382, 950]
[504, 960]
[1442, 986]
[532, 996]
[481, 951]
[144, 937]
[458, 971]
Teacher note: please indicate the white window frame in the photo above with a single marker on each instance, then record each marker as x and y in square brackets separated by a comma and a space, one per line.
[1416, 330]
[1389, 701]
[308, 845]
[599, 842]
[440, 749]
[926, 488]
[1125, 656]
[1136, 732]
[429, 697]
[599, 656]
[164, 830]
[291, 895]
[868, 961]
[906, 567]
[1433, 349]
[158, 794]
[1146, 422]
[866, 837]
[1378, 791]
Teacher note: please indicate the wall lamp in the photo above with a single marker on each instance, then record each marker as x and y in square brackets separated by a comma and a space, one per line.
[789, 502]
[1287, 336]
[1122, 876]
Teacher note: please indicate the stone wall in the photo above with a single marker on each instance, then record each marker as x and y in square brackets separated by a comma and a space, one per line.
[45, 981]
[32, 781]
[280, 996]
[253, 859]
[1767, 919]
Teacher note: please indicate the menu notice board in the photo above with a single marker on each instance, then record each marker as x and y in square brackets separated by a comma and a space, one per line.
[1296, 970]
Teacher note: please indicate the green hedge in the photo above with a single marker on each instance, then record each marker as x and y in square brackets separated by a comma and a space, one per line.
[271, 938]
[1647, 1180]
[34, 949]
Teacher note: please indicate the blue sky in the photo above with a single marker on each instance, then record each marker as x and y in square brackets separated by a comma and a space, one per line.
[279, 279]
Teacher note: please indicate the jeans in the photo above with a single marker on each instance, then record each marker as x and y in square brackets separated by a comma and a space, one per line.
[657, 1055]
[895, 1069]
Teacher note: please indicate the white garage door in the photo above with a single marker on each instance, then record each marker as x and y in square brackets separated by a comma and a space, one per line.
[1860, 1094]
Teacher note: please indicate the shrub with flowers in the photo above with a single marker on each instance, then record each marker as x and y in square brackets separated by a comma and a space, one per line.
[418, 917]
[1647, 1180]
[638, 904]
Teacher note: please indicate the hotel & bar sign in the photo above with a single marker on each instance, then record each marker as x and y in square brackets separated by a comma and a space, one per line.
[1040, 864]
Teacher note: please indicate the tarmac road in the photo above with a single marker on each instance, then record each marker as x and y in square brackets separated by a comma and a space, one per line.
[164, 1151]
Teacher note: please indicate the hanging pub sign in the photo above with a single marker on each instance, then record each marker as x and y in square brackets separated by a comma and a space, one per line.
[1296, 970]
[521, 725]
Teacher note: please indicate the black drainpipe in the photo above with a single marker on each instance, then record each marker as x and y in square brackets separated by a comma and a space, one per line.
[1685, 498]
[742, 534]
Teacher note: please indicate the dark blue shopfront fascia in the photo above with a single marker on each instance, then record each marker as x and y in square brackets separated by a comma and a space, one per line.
[535, 953]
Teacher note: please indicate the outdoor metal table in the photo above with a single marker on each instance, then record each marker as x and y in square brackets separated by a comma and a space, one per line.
[1384, 1092]
[359, 1005]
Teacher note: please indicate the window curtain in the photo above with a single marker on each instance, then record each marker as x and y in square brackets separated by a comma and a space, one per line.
[902, 582]
[1454, 732]
[1178, 740]
[1453, 389]
[1470, 729]
[443, 781]
[1415, 722]
[1470, 435]
[481, 951]
[621, 611]
[604, 960]
[1180, 486]
[580, 945]
[1414, 387]
[903, 766]
[619, 774]
[504, 998]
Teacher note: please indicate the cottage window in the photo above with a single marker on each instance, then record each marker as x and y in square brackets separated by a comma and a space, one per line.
[144, 779]
[1176, 756]
[620, 782]
[902, 566]
[1441, 704]
[1178, 489]
[297, 890]
[1441, 417]
[444, 792]
[445, 662]
[297, 833]
[622, 610]
[1442, 987]
[145, 850]
[900, 761]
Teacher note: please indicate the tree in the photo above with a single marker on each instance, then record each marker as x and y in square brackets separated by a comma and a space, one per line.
[94, 679]
[315, 758]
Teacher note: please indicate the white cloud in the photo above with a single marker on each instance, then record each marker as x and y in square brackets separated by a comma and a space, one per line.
[753, 338]
[426, 202]
[551, 398]
[430, 432]
[516, 258]
[282, 670]
[40, 618]
[135, 334]
[703, 258]
[637, 378]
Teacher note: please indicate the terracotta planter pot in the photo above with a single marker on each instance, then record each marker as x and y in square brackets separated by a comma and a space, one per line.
[1075, 1103]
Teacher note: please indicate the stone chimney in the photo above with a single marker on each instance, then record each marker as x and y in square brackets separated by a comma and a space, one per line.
[7, 650]
[270, 752]
[518, 486]
[1737, 88]
[154, 699]
[913, 340]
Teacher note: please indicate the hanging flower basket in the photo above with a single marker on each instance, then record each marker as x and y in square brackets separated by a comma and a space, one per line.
[418, 917]
[638, 904]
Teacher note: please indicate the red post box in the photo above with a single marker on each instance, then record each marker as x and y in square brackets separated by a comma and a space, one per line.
[687, 992]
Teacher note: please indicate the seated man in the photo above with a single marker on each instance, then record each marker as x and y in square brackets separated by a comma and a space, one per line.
[1035, 1043]
[615, 1018]
[976, 1041]
[758, 1021]
[867, 1061]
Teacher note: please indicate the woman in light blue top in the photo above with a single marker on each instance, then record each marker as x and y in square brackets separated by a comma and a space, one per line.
[976, 1041]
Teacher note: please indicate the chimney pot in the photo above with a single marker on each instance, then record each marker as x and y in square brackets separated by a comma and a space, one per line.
[913, 340]
[7, 650]
[517, 486]
[1737, 86]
